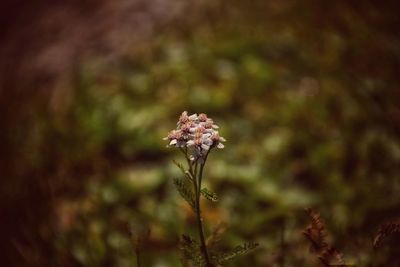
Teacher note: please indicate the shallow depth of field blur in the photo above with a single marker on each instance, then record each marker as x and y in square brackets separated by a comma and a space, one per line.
[306, 93]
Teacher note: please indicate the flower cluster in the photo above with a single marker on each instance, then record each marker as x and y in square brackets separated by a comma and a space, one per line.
[198, 133]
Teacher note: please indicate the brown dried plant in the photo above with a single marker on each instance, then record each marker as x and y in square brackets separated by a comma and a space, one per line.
[385, 230]
[316, 234]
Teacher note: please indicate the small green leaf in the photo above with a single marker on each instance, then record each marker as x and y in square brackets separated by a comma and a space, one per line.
[182, 168]
[209, 195]
[239, 250]
[191, 251]
[185, 190]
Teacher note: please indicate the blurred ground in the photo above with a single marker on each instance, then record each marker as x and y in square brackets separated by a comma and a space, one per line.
[306, 92]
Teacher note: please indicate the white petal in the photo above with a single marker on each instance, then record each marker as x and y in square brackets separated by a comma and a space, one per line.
[190, 143]
[173, 142]
[205, 147]
[208, 142]
[220, 146]
[206, 135]
[222, 139]
[193, 116]
[215, 126]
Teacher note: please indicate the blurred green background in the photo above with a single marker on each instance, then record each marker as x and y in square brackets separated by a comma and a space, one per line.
[305, 92]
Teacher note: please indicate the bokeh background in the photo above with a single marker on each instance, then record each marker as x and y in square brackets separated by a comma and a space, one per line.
[306, 93]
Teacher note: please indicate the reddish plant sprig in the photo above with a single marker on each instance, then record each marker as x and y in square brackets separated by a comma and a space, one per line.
[316, 234]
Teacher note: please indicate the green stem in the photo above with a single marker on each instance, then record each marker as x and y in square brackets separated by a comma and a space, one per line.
[197, 187]
[198, 213]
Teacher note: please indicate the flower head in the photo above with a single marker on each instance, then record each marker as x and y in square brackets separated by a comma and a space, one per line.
[196, 133]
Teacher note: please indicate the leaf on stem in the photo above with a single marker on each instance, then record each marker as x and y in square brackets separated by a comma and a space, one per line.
[182, 168]
[185, 190]
[191, 251]
[209, 195]
[239, 250]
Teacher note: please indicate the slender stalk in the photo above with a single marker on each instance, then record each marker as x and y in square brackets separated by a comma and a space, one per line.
[282, 241]
[200, 220]
[137, 251]
[198, 213]
[197, 178]
[201, 169]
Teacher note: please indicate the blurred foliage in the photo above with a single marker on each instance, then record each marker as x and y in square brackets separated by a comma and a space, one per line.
[306, 93]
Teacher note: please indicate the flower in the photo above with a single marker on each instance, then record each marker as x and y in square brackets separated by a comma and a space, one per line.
[197, 133]
[217, 140]
[202, 117]
[176, 138]
[184, 118]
